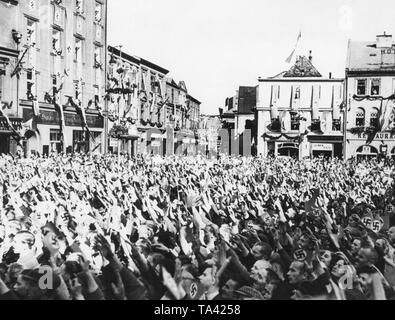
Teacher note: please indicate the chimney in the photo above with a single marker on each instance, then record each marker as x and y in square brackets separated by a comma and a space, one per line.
[310, 56]
[384, 41]
[330, 75]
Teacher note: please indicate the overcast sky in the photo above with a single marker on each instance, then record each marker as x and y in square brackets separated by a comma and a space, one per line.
[217, 45]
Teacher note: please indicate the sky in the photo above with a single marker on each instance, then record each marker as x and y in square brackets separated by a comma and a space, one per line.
[215, 46]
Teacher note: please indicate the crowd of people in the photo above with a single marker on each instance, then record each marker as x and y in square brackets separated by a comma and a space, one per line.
[84, 227]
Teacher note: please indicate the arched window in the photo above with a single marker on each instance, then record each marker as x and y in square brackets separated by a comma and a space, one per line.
[374, 118]
[360, 117]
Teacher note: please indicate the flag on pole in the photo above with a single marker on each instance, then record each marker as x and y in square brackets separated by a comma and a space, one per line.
[289, 59]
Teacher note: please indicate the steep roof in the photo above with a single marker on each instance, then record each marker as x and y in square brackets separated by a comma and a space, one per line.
[303, 68]
[182, 86]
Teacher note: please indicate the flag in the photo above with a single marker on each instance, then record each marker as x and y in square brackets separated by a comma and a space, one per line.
[382, 116]
[388, 117]
[289, 59]
[36, 108]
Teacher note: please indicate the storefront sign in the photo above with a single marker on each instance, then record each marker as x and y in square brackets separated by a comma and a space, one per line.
[155, 143]
[379, 136]
[322, 147]
[113, 142]
[49, 117]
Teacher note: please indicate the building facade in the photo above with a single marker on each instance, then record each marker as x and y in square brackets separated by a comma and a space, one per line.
[239, 124]
[54, 79]
[299, 113]
[209, 134]
[156, 115]
[370, 79]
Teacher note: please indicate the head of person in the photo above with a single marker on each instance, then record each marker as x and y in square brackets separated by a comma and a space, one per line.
[305, 242]
[367, 257]
[50, 238]
[339, 266]
[208, 277]
[298, 272]
[354, 220]
[356, 246]
[391, 235]
[261, 251]
[365, 278]
[326, 257]
[14, 271]
[23, 242]
[259, 272]
[27, 286]
[382, 245]
[144, 246]
[229, 288]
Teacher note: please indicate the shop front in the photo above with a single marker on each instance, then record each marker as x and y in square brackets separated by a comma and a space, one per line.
[326, 146]
[288, 149]
[49, 137]
[8, 143]
[367, 152]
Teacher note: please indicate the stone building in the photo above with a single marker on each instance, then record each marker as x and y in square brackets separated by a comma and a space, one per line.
[157, 114]
[52, 81]
[370, 80]
[299, 113]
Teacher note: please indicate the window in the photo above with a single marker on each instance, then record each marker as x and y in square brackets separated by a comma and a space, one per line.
[375, 87]
[31, 32]
[78, 57]
[374, 118]
[316, 125]
[56, 42]
[295, 122]
[98, 66]
[360, 118]
[361, 87]
[56, 51]
[79, 6]
[54, 85]
[152, 83]
[55, 138]
[78, 90]
[98, 12]
[297, 93]
[336, 125]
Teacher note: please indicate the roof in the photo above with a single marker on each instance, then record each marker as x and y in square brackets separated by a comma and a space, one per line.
[366, 56]
[182, 86]
[171, 82]
[302, 68]
[193, 99]
[137, 60]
